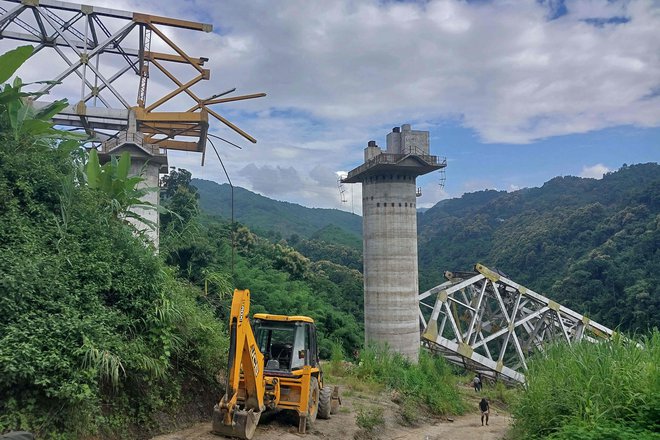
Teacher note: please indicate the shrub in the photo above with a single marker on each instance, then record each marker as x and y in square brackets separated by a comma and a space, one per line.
[336, 359]
[409, 410]
[370, 418]
[96, 332]
[429, 382]
[607, 431]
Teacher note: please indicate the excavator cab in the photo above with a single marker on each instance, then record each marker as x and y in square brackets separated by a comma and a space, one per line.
[288, 343]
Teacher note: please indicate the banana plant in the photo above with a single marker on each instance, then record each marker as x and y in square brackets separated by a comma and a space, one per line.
[122, 190]
[17, 116]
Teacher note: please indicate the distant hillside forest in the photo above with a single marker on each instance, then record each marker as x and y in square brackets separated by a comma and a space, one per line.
[217, 256]
[590, 244]
[279, 219]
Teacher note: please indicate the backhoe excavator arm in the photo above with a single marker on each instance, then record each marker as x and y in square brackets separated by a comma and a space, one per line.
[238, 412]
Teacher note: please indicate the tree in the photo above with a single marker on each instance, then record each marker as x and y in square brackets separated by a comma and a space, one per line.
[181, 199]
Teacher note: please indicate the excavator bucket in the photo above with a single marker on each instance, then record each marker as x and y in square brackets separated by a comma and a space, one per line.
[244, 423]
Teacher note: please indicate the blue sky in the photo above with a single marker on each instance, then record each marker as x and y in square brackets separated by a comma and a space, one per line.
[474, 165]
[512, 92]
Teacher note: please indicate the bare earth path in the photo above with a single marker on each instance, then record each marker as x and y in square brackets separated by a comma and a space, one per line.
[343, 425]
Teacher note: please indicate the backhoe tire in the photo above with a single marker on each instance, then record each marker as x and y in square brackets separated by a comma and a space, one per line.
[325, 402]
[313, 406]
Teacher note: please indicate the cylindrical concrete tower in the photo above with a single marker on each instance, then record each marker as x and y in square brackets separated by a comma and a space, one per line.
[390, 237]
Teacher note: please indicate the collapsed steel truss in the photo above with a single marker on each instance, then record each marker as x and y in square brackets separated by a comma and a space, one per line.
[490, 324]
[80, 35]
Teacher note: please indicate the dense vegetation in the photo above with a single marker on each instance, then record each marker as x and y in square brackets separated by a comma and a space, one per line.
[593, 245]
[97, 334]
[592, 391]
[281, 279]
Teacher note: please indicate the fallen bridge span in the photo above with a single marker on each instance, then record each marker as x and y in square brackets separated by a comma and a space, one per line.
[491, 324]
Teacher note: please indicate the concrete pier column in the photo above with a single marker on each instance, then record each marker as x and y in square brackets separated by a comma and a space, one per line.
[148, 161]
[389, 222]
[390, 262]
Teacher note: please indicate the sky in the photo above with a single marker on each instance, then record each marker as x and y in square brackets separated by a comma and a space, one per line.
[513, 93]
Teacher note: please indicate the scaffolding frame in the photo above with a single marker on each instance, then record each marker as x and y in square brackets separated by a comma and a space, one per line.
[85, 31]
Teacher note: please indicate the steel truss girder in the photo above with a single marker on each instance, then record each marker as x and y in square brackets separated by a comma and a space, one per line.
[491, 324]
[86, 32]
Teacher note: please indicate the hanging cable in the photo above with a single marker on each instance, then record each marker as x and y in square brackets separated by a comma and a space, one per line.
[225, 140]
[233, 242]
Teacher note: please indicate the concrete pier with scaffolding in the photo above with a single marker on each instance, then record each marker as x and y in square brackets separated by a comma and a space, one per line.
[389, 213]
[72, 38]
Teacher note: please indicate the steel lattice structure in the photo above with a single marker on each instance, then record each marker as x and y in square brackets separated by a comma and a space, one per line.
[103, 48]
[490, 324]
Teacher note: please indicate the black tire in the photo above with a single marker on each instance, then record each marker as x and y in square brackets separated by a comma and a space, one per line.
[313, 406]
[325, 402]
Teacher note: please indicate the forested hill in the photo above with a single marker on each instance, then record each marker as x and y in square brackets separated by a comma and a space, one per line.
[264, 215]
[590, 244]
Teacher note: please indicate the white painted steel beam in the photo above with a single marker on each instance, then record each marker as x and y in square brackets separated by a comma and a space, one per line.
[496, 307]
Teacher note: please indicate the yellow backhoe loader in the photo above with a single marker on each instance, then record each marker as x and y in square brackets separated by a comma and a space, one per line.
[274, 367]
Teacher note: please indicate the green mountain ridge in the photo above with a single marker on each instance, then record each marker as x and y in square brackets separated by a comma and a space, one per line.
[264, 215]
[590, 244]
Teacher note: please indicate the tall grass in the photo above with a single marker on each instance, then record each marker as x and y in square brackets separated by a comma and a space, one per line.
[336, 358]
[605, 390]
[429, 382]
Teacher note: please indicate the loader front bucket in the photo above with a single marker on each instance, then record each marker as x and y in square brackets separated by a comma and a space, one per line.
[244, 423]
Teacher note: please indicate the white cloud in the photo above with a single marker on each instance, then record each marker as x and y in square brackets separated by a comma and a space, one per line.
[595, 171]
[432, 193]
[341, 72]
[511, 74]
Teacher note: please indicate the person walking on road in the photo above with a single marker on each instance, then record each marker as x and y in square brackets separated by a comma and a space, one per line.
[477, 384]
[485, 410]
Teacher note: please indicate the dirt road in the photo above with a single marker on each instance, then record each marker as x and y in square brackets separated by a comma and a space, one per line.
[343, 425]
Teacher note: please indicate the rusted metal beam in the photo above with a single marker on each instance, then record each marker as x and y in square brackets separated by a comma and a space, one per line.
[232, 99]
[176, 81]
[172, 22]
[173, 58]
[176, 48]
[232, 126]
[182, 88]
[142, 115]
[170, 144]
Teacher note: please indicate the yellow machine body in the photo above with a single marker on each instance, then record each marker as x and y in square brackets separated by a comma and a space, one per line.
[275, 366]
